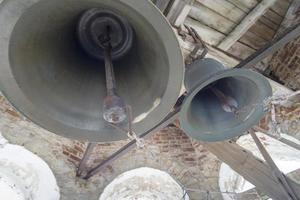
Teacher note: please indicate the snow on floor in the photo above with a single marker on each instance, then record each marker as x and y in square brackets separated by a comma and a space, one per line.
[10, 189]
[143, 184]
[286, 158]
[24, 176]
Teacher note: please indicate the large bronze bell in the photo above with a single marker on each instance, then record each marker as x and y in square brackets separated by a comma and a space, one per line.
[52, 73]
[222, 104]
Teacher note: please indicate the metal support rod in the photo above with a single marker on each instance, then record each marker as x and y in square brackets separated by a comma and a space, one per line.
[86, 156]
[126, 148]
[113, 105]
[277, 173]
[270, 47]
[109, 71]
[254, 170]
[199, 44]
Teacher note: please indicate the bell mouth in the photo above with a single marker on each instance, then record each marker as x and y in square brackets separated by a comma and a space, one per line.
[49, 77]
[203, 115]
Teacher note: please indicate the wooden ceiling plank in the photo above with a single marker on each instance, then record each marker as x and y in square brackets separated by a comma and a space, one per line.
[213, 37]
[178, 8]
[245, 5]
[273, 16]
[270, 18]
[241, 50]
[211, 18]
[208, 34]
[246, 24]
[253, 40]
[281, 7]
[271, 47]
[187, 47]
[270, 24]
[224, 8]
[262, 31]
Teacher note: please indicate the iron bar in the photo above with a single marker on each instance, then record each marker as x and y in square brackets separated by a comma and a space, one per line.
[276, 171]
[270, 47]
[239, 159]
[109, 71]
[129, 146]
[86, 156]
[114, 110]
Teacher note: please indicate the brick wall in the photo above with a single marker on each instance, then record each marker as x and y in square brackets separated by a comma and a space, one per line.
[169, 150]
[285, 65]
[288, 119]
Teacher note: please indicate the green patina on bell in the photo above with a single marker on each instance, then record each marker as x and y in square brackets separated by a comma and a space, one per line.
[52, 73]
[222, 103]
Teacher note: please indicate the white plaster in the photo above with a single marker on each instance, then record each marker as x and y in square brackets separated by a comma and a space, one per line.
[143, 184]
[23, 175]
[286, 158]
[10, 189]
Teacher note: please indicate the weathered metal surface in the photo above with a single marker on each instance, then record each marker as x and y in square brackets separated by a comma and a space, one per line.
[83, 163]
[47, 76]
[132, 144]
[205, 117]
[92, 28]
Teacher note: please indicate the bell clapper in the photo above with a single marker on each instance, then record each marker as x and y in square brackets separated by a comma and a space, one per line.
[114, 108]
[228, 103]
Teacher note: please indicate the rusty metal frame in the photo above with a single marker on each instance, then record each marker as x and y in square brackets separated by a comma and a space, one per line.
[83, 163]
[247, 63]
[271, 47]
[129, 146]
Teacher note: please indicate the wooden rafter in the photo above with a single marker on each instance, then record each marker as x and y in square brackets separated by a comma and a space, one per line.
[252, 169]
[179, 11]
[245, 24]
[271, 47]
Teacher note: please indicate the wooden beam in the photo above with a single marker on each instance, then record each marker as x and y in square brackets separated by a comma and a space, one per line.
[187, 46]
[291, 18]
[227, 8]
[284, 185]
[162, 4]
[281, 139]
[251, 168]
[179, 11]
[228, 60]
[245, 24]
[244, 194]
[210, 18]
[271, 47]
[243, 162]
